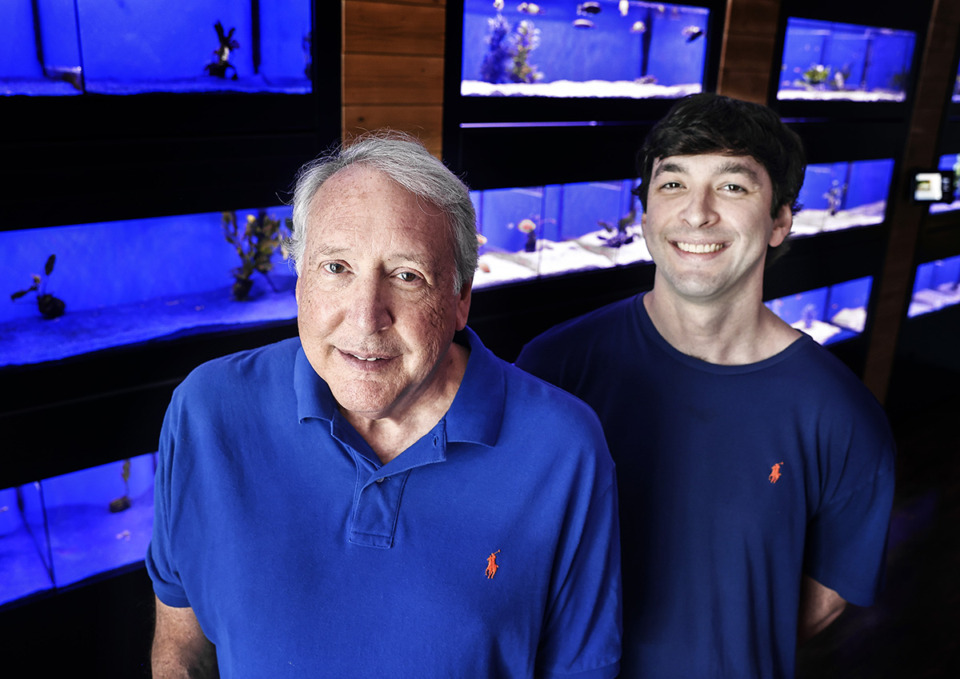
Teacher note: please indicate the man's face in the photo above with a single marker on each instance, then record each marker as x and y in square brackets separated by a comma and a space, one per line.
[377, 307]
[708, 224]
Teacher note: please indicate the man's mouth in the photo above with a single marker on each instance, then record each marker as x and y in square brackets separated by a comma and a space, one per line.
[699, 248]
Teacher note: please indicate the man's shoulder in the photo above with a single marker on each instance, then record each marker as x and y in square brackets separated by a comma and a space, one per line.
[255, 367]
[592, 327]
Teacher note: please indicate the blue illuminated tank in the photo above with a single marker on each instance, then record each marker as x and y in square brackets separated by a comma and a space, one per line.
[608, 48]
[825, 60]
[88, 46]
[843, 195]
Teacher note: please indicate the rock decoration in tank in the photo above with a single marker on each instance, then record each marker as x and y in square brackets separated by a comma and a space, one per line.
[255, 245]
[620, 234]
[222, 65]
[49, 306]
[122, 503]
[508, 53]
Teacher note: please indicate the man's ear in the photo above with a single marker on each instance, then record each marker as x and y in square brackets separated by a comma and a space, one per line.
[782, 224]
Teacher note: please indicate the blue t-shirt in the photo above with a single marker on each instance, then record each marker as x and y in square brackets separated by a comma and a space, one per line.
[486, 549]
[734, 482]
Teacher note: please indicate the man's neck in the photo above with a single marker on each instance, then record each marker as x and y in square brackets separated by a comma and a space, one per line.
[738, 332]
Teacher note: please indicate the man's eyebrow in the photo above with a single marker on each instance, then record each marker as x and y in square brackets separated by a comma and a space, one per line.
[734, 167]
[668, 166]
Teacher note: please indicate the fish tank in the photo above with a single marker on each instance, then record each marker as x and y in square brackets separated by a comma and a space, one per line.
[949, 162]
[68, 293]
[936, 286]
[830, 314]
[562, 49]
[834, 61]
[531, 232]
[67, 529]
[843, 195]
[74, 47]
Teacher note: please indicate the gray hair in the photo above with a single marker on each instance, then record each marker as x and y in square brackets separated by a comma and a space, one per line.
[407, 162]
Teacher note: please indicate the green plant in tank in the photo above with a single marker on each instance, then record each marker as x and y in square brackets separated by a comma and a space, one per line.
[122, 503]
[255, 245]
[816, 75]
[525, 39]
[49, 306]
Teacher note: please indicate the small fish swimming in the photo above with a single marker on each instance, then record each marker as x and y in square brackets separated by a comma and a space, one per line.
[692, 32]
[531, 8]
[589, 8]
[498, 5]
[624, 7]
[638, 27]
[583, 23]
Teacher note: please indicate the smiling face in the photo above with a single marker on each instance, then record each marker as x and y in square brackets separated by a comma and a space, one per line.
[376, 303]
[707, 225]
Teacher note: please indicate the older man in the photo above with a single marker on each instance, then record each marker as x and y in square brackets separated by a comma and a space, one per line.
[382, 497]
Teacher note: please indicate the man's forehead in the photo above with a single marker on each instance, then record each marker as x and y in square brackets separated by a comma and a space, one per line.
[716, 163]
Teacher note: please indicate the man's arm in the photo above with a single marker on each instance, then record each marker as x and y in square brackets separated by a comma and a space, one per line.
[819, 606]
[180, 648]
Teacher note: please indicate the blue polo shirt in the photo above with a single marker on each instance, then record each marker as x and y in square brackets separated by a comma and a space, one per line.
[487, 549]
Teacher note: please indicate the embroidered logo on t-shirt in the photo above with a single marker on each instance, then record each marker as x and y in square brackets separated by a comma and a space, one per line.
[775, 472]
[492, 565]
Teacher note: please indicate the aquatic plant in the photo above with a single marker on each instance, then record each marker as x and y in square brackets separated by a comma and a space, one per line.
[255, 245]
[525, 39]
[222, 65]
[49, 306]
[494, 67]
[816, 75]
[620, 233]
[122, 503]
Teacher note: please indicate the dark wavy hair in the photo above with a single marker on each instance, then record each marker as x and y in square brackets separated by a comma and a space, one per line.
[712, 123]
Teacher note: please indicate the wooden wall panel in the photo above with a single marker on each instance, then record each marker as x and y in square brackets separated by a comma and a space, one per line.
[393, 67]
[749, 42]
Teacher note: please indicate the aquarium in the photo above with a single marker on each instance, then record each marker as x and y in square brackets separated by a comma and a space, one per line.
[66, 529]
[949, 162]
[843, 195]
[824, 60]
[69, 47]
[536, 231]
[936, 285]
[70, 290]
[559, 48]
[830, 314]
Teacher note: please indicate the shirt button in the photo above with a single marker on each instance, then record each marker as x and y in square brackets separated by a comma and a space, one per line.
[380, 480]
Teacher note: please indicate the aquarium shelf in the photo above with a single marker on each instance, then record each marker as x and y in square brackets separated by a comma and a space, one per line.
[831, 314]
[57, 532]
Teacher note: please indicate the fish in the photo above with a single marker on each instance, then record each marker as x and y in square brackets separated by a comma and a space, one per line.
[638, 27]
[692, 32]
[498, 5]
[624, 7]
[529, 8]
[589, 8]
[583, 23]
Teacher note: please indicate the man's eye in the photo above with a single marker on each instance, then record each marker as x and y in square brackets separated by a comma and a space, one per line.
[408, 276]
[333, 267]
[671, 185]
[734, 188]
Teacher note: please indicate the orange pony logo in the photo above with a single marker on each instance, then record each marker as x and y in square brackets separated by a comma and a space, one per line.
[492, 565]
[775, 472]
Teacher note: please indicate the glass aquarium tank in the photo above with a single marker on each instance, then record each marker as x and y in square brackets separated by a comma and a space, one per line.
[69, 293]
[558, 228]
[66, 529]
[949, 162]
[829, 314]
[843, 195]
[825, 60]
[607, 48]
[936, 285]
[69, 47]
